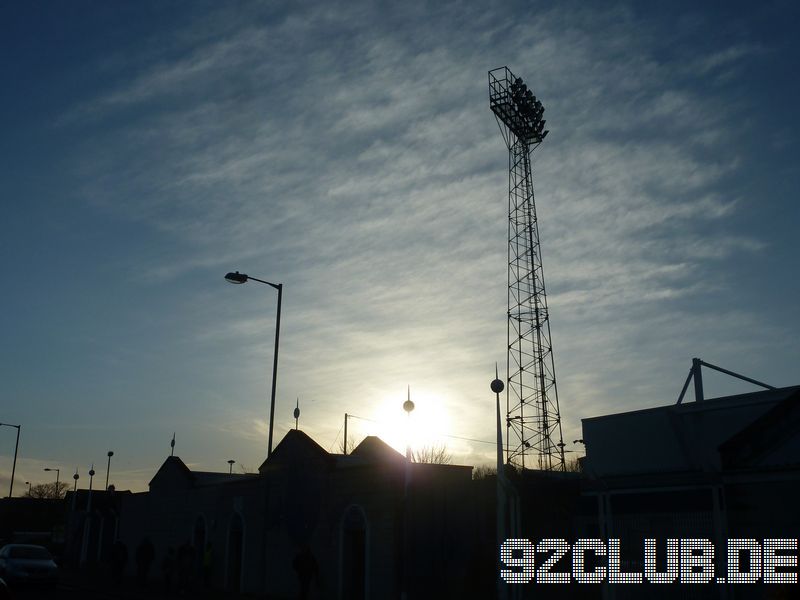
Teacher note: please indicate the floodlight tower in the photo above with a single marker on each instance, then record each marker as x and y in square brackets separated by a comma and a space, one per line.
[533, 419]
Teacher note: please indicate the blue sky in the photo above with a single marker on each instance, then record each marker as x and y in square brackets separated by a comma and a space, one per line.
[347, 150]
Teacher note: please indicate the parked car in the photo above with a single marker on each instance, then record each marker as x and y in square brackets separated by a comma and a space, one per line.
[26, 563]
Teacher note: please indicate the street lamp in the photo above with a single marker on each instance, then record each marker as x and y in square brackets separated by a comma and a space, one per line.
[91, 479]
[408, 406]
[108, 467]
[231, 462]
[239, 278]
[29, 484]
[16, 447]
[87, 530]
[75, 488]
[58, 474]
[497, 387]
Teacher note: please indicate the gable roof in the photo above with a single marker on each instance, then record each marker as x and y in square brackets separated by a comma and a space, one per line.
[374, 448]
[172, 473]
[295, 445]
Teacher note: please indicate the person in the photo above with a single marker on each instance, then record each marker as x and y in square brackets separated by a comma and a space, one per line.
[144, 557]
[168, 568]
[307, 569]
[119, 558]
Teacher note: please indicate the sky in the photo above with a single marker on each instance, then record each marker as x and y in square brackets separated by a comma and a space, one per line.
[346, 150]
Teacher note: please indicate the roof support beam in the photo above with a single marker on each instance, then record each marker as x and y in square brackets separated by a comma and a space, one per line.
[696, 373]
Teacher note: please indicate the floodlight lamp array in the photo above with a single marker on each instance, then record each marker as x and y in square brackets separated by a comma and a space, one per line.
[516, 106]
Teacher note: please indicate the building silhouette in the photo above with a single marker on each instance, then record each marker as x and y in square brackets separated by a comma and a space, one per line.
[372, 525]
[714, 469]
[371, 534]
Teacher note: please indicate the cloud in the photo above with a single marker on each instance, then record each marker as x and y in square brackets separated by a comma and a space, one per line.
[358, 163]
[726, 58]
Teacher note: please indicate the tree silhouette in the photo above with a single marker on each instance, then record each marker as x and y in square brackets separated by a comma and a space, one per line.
[48, 491]
[483, 472]
[351, 444]
[435, 455]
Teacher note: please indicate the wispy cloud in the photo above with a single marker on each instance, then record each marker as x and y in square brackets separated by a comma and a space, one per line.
[358, 163]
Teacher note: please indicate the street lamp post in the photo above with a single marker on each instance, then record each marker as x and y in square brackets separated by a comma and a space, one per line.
[29, 484]
[497, 386]
[231, 462]
[75, 488]
[91, 479]
[87, 524]
[108, 467]
[58, 474]
[16, 448]
[239, 278]
[408, 406]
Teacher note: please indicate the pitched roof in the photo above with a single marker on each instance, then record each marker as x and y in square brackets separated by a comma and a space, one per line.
[295, 444]
[172, 471]
[374, 448]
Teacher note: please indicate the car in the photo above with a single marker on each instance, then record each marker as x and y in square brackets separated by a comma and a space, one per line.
[26, 563]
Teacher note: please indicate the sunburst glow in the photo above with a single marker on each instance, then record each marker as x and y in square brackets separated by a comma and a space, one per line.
[429, 423]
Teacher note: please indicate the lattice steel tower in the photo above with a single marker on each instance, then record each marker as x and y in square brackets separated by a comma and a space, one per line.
[533, 419]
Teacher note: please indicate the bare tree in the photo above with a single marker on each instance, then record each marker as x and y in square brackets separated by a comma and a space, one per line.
[48, 491]
[351, 444]
[489, 471]
[246, 470]
[435, 455]
[574, 466]
[484, 472]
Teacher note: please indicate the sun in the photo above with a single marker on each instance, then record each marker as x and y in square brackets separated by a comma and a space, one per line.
[428, 424]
